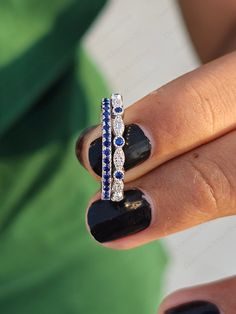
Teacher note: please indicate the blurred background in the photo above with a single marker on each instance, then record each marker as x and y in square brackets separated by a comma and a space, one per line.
[57, 59]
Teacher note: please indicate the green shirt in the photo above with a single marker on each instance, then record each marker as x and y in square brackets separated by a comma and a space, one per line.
[50, 91]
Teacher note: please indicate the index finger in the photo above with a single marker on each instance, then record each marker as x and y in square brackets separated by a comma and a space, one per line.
[186, 113]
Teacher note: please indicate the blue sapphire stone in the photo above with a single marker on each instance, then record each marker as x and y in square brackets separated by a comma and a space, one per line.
[106, 100]
[106, 127]
[106, 169]
[107, 152]
[106, 108]
[106, 160]
[119, 141]
[106, 176]
[106, 136]
[106, 183]
[118, 109]
[107, 143]
[106, 113]
[119, 175]
[106, 119]
[107, 131]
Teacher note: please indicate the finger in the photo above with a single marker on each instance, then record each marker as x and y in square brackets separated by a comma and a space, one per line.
[210, 42]
[194, 188]
[186, 113]
[212, 298]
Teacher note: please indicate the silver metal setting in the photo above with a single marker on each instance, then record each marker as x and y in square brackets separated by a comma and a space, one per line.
[117, 190]
[106, 149]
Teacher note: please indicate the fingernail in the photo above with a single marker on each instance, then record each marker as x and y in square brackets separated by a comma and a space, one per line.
[196, 307]
[137, 149]
[109, 220]
[80, 142]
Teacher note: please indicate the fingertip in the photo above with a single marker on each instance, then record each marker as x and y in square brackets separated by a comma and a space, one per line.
[109, 221]
[83, 144]
[212, 298]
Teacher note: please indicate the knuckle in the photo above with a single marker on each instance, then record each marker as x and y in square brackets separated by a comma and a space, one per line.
[211, 181]
[205, 101]
[209, 94]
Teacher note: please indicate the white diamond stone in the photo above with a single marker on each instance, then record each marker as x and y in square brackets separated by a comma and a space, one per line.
[116, 100]
[119, 158]
[117, 186]
[118, 125]
[117, 197]
[117, 191]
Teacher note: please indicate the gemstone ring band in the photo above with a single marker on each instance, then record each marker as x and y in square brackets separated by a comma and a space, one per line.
[112, 136]
[118, 141]
[106, 149]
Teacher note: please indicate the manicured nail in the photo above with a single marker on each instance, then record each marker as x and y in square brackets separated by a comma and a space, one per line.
[137, 149]
[109, 220]
[196, 307]
[80, 142]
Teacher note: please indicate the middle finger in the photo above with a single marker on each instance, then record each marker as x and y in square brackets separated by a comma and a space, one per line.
[186, 113]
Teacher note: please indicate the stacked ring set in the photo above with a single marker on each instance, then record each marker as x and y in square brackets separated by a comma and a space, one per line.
[113, 156]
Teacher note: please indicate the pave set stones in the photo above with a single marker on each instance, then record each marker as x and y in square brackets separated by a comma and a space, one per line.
[112, 136]
[117, 104]
[118, 125]
[119, 156]
[106, 148]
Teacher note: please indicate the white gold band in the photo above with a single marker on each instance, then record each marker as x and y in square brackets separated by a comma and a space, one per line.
[117, 190]
[106, 149]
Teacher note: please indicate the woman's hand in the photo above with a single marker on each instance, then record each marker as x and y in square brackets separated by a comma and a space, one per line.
[180, 167]
[180, 162]
[184, 137]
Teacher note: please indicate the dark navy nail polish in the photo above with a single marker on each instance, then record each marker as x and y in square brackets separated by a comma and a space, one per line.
[137, 149]
[80, 142]
[109, 220]
[195, 307]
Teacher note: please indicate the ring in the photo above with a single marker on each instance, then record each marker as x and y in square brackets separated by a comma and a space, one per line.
[117, 191]
[106, 149]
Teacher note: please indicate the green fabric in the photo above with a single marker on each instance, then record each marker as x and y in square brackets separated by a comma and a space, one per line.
[50, 91]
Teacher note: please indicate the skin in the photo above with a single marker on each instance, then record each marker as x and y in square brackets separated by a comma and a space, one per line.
[187, 160]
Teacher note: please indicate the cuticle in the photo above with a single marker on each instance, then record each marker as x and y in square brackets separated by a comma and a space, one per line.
[148, 135]
[204, 300]
[218, 306]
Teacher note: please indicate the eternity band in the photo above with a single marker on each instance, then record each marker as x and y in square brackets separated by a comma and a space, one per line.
[106, 149]
[118, 141]
[112, 162]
